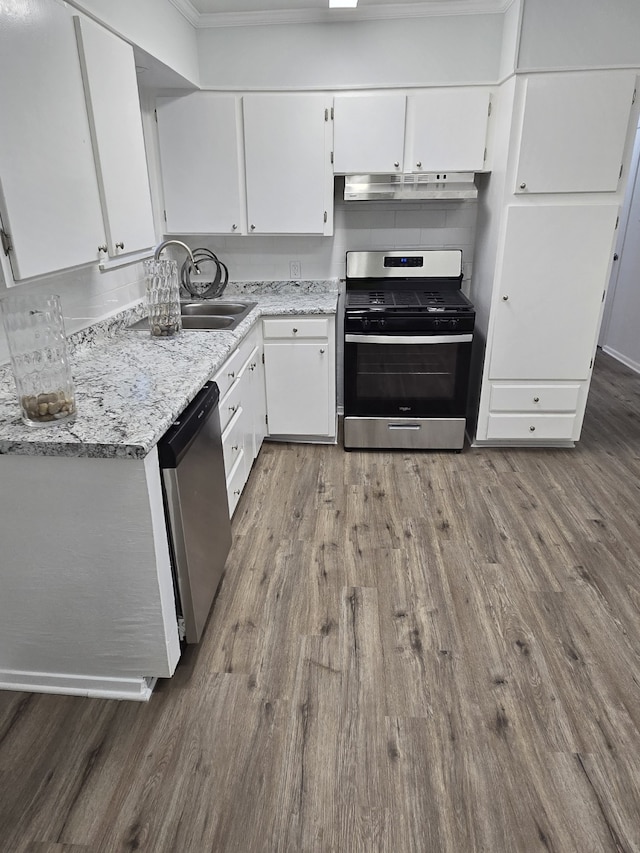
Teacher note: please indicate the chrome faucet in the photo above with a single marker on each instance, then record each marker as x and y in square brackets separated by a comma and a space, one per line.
[165, 243]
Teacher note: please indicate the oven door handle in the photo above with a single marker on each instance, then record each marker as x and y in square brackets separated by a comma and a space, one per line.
[408, 339]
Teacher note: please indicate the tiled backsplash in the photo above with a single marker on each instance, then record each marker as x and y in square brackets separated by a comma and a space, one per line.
[89, 295]
[357, 226]
[86, 294]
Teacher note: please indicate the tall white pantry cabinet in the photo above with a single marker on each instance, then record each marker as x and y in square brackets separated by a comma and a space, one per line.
[541, 294]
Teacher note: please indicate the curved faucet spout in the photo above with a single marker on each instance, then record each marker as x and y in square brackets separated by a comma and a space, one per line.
[165, 243]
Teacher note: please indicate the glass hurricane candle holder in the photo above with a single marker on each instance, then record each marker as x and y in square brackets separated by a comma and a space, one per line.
[39, 358]
[163, 297]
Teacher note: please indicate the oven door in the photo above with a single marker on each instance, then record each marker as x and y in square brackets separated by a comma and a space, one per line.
[406, 376]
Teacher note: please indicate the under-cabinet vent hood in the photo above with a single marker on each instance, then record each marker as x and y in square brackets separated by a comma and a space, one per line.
[426, 185]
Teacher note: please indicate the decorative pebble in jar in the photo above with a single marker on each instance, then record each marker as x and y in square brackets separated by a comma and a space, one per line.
[39, 358]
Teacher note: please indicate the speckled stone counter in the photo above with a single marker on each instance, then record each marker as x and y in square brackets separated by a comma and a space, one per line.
[131, 387]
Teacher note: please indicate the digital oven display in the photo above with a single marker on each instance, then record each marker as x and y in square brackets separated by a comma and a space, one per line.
[407, 261]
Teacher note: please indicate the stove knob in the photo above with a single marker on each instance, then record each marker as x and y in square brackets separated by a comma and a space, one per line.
[382, 322]
[453, 323]
[436, 322]
[364, 323]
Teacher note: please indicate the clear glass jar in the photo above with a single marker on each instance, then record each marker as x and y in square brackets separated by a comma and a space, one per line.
[39, 357]
[163, 297]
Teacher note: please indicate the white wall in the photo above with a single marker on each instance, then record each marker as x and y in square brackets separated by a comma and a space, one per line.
[579, 34]
[619, 336]
[410, 52]
[510, 38]
[154, 25]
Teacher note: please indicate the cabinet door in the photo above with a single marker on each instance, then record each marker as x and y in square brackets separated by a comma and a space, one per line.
[51, 204]
[555, 265]
[573, 131]
[113, 105]
[200, 157]
[368, 134]
[447, 130]
[298, 385]
[288, 174]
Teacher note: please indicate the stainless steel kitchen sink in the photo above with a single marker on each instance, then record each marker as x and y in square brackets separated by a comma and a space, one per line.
[215, 308]
[207, 315]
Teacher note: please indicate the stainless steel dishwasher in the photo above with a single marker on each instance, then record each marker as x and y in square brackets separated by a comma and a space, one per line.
[196, 507]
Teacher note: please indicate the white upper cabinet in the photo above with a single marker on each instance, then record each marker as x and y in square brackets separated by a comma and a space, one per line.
[50, 198]
[550, 288]
[287, 161]
[369, 134]
[200, 163]
[447, 130]
[113, 106]
[573, 132]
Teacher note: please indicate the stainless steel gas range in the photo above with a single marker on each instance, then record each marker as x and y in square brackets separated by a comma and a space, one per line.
[408, 336]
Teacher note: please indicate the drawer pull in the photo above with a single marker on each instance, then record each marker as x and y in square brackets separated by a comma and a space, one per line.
[231, 375]
[536, 399]
[505, 298]
[236, 492]
[532, 429]
[322, 352]
[233, 409]
[235, 448]
[295, 331]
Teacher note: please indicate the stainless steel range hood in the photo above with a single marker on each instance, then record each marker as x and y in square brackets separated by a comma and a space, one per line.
[427, 185]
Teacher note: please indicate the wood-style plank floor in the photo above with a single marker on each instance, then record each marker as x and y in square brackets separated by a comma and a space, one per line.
[422, 652]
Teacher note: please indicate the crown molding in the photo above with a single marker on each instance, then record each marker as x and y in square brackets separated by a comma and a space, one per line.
[188, 11]
[204, 20]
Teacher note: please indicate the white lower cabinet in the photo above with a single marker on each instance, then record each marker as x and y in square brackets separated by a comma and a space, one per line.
[535, 411]
[242, 413]
[299, 354]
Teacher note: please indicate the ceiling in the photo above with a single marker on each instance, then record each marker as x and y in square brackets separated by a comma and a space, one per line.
[209, 12]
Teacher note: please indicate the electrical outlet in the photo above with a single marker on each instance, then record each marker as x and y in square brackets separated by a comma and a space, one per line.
[295, 269]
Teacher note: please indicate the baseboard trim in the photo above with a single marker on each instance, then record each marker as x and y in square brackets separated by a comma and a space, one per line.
[93, 687]
[628, 362]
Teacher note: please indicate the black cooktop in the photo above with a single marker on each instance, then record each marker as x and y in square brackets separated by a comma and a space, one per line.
[412, 300]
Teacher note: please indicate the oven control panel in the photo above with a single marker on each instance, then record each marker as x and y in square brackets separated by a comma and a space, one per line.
[419, 324]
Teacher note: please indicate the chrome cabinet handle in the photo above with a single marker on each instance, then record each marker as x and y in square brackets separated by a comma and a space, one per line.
[523, 186]
[231, 375]
[235, 448]
[322, 352]
[295, 331]
[396, 164]
[233, 409]
[234, 227]
[536, 399]
[253, 227]
[419, 164]
[532, 429]
[505, 298]
[236, 491]
[120, 245]
[103, 248]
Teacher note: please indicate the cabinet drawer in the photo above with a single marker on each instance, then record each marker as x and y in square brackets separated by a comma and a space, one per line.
[248, 344]
[534, 398]
[531, 427]
[230, 404]
[232, 441]
[235, 482]
[228, 373]
[295, 327]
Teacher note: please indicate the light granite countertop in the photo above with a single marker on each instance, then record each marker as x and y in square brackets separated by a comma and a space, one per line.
[130, 387]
